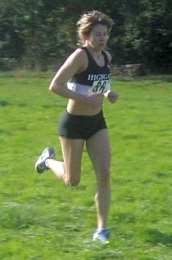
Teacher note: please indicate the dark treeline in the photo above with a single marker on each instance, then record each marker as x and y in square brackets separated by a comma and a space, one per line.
[39, 33]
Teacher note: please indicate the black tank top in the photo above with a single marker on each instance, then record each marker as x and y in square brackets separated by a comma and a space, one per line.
[95, 76]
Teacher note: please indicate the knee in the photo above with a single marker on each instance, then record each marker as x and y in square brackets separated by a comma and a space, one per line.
[73, 182]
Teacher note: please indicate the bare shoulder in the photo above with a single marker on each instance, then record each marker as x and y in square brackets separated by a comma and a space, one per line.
[78, 59]
[109, 56]
[80, 53]
[75, 63]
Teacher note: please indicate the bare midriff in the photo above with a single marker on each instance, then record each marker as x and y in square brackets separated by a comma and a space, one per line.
[79, 108]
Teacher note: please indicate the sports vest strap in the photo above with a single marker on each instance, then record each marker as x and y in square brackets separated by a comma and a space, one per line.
[90, 58]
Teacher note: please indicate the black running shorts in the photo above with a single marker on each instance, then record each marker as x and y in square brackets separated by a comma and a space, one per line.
[80, 127]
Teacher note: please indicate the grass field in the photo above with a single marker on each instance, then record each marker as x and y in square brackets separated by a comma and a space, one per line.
[41, 219]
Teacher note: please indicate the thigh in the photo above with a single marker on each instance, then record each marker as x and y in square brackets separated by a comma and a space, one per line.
[99, 150]
[72, 155]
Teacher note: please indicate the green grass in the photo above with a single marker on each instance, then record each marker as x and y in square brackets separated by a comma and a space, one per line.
[40, 218]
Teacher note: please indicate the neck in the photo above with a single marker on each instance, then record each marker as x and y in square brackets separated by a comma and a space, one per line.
[96, 53]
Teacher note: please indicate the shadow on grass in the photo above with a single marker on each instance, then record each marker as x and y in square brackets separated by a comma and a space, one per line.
[157, 237]
[4, 103]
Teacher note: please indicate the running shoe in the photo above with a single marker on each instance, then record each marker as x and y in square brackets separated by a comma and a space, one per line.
[40, 165]
[102, 236]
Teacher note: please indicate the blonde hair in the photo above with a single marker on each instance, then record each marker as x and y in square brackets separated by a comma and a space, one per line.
[89, 20]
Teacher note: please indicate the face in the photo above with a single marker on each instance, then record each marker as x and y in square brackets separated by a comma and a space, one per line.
[98, 37]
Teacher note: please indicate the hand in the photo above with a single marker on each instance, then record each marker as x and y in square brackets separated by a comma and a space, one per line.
[112, 96]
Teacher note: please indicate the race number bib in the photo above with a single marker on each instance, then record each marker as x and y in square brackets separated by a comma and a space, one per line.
[100, 86]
